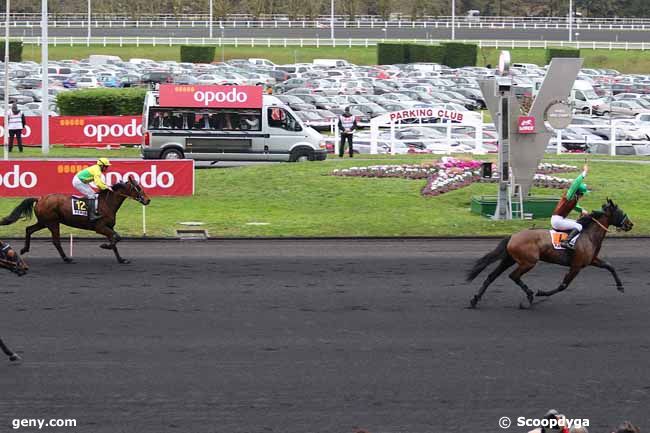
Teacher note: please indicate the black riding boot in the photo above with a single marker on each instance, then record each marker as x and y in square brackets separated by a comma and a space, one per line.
[93, 211]
[567, 242]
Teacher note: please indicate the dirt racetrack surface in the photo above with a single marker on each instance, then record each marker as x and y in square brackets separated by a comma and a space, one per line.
[318, 336]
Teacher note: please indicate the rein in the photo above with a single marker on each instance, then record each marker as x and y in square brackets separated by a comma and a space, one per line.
[600, 224]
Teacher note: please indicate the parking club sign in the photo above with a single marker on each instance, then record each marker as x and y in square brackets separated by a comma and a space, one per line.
[526, 124]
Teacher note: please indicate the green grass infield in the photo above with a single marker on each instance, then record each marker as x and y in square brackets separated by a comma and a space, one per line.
[303, 200]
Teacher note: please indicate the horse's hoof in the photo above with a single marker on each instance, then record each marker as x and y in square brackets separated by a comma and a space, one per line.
[15, 358]
[473, 302]
[124, 262]
[68, 260]
[541, 293]
[23, 251]
[105, 247]
[620, 289]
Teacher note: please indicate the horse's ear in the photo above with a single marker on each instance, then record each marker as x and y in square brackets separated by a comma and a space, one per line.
[132, 180]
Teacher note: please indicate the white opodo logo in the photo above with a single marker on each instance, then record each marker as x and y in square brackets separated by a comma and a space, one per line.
[231, 96]
[15, 179]
[148, 179]
[27, 133]
[116, 131]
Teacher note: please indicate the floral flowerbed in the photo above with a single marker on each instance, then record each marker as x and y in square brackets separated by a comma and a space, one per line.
[451, 173]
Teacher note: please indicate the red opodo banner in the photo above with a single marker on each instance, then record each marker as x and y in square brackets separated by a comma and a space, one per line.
[96, 130]
[83, 130]
[171, 95]
[33, 178]
[31, 133]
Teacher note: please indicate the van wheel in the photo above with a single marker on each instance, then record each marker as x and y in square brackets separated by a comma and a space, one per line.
[172, 154]
[301, 155]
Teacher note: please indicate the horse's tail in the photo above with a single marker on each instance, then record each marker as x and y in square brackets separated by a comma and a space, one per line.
[499, 253]
[24, 210]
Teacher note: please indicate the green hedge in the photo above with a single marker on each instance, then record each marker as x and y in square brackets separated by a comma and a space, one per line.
[426, 53]
[561, 52]
[458, 55]
[15, 51]
[197, 54]
[390, 53]
[101, 102]
[454, 55]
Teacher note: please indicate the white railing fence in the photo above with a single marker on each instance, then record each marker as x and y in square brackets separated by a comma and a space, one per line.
[319, 42]
[341, 22]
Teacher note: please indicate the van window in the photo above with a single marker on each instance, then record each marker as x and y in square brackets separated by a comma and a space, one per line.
[580, 96]
[281, 118]
[205, 119]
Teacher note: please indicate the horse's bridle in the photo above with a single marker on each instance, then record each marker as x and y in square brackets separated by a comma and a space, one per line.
[617, 225]
[138, 189]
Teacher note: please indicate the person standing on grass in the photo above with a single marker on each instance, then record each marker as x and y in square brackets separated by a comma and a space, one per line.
[16, 126]
[347, 126]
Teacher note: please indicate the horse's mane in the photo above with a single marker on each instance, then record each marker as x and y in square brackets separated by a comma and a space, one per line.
[116, 187]
[588, 220]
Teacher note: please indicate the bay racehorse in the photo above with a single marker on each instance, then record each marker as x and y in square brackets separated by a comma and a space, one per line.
[55, 209]
[528, 247]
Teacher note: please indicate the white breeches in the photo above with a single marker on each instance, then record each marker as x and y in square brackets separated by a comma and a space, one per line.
[83, 188]
[561, 223]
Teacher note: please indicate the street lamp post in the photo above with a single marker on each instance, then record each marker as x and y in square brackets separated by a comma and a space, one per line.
[332, 19]
[570, 20]
[6, 60]
[89, 20]
[210, 19]
[45, 105]
[453, 20]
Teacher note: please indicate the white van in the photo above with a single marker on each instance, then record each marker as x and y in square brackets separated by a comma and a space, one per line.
[332, 63]
[583, 96]
[101, 59]
[262, 62]
[136, 61]
[272, 132]
[585, 99]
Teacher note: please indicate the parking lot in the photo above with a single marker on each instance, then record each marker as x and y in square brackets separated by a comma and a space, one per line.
[610, 106]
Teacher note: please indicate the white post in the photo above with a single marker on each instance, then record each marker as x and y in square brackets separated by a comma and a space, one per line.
[332, 19]
[453, 20]
[89, 31]
[210, 19]
[6, 115]
[70, 253]
[45, 103]
[612, 138]
[570, 20]
[558, 142]
[144, 220]
[336, 138]
[448, 123]
[392, 138]
[478, 148]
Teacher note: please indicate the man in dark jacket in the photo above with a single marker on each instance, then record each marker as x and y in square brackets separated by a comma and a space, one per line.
[347, 126]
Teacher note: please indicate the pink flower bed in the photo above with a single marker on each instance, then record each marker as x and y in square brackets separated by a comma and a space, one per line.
[450, 174]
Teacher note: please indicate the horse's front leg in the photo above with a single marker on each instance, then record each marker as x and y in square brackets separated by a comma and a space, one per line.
[12, 356]
[575, 270]
[600, 263]
[113, 238]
